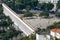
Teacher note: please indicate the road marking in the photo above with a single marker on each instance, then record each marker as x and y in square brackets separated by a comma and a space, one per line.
[17, 17]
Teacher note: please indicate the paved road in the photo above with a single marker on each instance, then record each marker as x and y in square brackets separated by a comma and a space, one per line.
[21, 25]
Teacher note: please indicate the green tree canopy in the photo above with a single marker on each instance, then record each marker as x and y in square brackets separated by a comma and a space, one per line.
[58, 14]
[21, 4]
[28, 14]
[55, 25]
[45, 14]
[46, 6]
[58, 4]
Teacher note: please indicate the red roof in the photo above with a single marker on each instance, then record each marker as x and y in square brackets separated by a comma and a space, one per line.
[56, 30]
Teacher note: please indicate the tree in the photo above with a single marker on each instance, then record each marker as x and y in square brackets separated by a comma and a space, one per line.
[34, 3]
[58, 4]
[11, 3]
[45, 14]
[28, 14]
[38, 30]
[21, 4]
[57, 38]
[55, 25]
[49, 6]
[58, 15]
[46, 6]
[32, 37]
[1, 9]
[28, 8]
[42, 5]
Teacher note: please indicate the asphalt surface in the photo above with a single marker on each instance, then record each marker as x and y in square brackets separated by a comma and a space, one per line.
[20, 24]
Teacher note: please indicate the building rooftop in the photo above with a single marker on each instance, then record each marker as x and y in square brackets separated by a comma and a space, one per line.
[56, 30]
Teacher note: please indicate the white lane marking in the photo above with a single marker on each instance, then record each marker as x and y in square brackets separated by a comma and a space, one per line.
[21, 29]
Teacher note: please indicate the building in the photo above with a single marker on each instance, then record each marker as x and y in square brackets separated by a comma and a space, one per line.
[43, 35]
[46, 1]
[55, 33]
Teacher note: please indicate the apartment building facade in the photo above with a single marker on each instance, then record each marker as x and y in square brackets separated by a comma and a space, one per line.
[55, 33]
